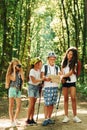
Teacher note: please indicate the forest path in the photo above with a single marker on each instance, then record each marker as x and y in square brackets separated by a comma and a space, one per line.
[81, 110]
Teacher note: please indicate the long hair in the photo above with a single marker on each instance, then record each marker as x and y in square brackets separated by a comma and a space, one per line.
[10, 71]
[74, 59]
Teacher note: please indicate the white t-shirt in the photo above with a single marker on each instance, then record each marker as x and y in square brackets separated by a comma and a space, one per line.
[72, 77]
[50, 71]
[35, 74]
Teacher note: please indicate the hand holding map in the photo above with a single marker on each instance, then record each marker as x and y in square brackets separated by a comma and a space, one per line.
[55, 78]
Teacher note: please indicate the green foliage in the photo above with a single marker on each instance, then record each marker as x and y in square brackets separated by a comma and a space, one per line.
[82, 89]
[3, 91]
[30, 28]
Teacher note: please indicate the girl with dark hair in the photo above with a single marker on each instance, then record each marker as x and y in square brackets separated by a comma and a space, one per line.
[33, 88]
[69, 66]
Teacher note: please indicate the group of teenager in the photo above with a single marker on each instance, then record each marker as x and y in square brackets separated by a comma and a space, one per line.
[39, 74]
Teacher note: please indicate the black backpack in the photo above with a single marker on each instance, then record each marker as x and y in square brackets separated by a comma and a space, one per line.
[46, 69]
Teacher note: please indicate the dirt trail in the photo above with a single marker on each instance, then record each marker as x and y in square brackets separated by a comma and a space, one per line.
[82, 113]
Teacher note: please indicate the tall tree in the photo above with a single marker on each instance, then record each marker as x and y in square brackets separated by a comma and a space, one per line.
[66, 21]
[6, 53]
[84, 37]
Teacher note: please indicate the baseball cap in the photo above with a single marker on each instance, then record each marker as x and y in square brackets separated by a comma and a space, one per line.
[51, 54]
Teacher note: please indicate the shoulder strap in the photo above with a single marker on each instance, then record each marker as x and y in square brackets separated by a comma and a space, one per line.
[46, 69]
[56, 67]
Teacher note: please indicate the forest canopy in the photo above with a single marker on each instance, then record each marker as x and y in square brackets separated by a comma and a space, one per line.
[30, 28]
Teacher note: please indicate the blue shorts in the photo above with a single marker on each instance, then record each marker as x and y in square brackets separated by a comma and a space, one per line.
[33, 91]
[50, 95]
[13, 93]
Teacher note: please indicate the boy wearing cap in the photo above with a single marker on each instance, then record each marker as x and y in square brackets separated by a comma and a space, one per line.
[50, 90]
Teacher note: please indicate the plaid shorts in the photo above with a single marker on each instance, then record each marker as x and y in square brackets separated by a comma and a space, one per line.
[50, 95]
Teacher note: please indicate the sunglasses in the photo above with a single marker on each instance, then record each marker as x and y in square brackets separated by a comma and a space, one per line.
[19, 66]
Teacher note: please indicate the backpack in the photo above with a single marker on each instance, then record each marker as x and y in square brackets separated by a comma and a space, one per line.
[45, 73]
[46, 69]
[78, 68]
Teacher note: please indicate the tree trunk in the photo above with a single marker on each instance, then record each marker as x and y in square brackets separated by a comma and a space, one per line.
[5, 52]
[84, 37]
[66, 21]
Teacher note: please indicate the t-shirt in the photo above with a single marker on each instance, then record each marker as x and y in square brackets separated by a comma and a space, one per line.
[50, 71]
[35, 74]
[72, 77]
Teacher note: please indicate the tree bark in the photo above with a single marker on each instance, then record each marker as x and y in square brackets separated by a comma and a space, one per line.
[66, 21]
[84, 37]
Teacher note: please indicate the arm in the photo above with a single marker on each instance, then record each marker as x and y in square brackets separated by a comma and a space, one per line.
[36, 80]
[65, 76]
[13, 77]
[42, 74]
[44, 77]
[7, 82]
[68, 74]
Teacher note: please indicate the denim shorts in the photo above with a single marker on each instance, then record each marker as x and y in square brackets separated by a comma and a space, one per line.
[13, 93]
[33, 91]
[50, 95]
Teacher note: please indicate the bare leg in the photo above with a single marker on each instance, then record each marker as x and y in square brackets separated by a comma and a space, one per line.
[18, 103]
[65, 93]
[32, 101]
[11, 105]
[48, 111]
[73, 99]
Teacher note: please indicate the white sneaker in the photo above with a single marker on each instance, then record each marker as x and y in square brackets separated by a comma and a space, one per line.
[76, 119]
[13, 124]
[16, 122]
[66, 119]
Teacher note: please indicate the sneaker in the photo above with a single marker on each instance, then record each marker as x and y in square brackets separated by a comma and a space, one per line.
[65, 120]
[34, 122]
[76, 119]
[28, 122]
[45, 123]
[16, 122]
[51, 121]
[13, 124]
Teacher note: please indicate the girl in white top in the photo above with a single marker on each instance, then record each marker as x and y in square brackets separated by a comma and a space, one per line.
[69, 66]
[33, 88]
